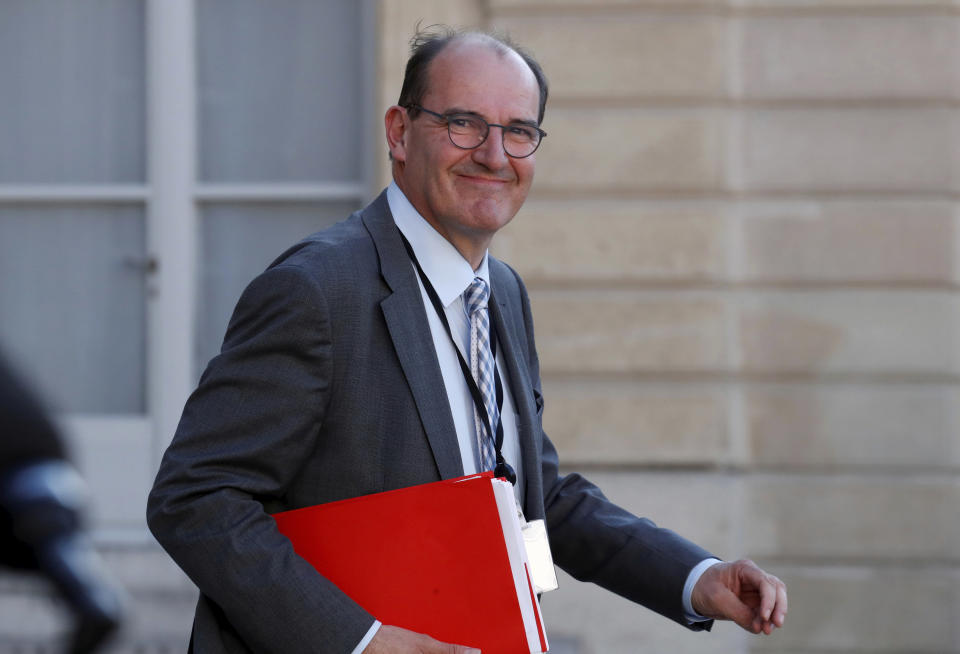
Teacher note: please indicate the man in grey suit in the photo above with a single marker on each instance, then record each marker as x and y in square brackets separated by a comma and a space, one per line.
[337, 379]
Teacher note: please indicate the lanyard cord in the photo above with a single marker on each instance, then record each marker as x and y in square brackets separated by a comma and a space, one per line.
[503, 468]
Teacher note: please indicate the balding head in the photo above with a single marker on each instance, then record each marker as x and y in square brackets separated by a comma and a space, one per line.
[430, 42]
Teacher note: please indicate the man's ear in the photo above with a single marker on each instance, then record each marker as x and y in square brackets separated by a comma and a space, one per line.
[396, 124]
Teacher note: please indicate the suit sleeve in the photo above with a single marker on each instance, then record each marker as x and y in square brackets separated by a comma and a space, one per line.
[595, 540]
[253, 418]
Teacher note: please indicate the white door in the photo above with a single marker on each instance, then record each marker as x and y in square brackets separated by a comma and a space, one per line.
[156, 154]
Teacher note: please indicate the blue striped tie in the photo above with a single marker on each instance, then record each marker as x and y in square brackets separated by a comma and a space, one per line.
[482, 368]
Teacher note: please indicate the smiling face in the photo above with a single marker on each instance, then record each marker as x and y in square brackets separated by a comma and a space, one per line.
[466, 195]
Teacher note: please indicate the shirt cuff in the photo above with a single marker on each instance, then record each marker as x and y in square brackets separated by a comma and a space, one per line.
[688, 613]
[362, 645]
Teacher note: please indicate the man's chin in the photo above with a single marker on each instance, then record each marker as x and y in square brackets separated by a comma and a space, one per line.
[488, 220]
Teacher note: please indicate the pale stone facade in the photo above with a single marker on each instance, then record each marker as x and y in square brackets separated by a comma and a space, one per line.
[742, 254]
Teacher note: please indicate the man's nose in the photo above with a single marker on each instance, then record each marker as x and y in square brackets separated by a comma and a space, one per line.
[490, 153]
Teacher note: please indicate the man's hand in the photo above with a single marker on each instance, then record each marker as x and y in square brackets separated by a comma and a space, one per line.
[742, 592]
[394, 640]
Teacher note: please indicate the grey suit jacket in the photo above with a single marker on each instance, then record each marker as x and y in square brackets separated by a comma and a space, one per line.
[328, 387]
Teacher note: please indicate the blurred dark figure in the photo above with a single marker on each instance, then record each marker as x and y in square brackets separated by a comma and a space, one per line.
[41, 496]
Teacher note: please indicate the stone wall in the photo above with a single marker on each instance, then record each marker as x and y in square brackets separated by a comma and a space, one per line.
[742, 254]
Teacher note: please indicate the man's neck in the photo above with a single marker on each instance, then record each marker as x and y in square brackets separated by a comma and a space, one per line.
[472, 247]
[468, 247]
[445, 266]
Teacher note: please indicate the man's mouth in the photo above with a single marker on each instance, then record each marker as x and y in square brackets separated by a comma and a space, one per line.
[484, 180]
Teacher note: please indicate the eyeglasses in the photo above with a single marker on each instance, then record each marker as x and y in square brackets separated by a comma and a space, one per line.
[468, 131]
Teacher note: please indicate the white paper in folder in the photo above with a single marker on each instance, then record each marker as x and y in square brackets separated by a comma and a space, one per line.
[538, 554]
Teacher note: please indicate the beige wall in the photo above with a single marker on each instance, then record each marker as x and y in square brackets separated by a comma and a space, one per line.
[742, 251]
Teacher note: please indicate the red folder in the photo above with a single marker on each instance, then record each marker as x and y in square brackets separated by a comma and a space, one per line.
[445, 559]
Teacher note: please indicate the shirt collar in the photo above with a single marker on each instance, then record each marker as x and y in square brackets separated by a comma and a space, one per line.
[442, 263]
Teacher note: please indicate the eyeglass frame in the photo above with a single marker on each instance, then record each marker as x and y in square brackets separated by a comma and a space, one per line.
[503, 130]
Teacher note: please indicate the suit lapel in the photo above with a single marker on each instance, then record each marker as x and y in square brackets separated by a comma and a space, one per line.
[405, 316]
[521, 387]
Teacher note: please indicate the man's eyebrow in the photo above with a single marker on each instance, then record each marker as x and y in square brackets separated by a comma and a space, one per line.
[513, 121]
[458, 110]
